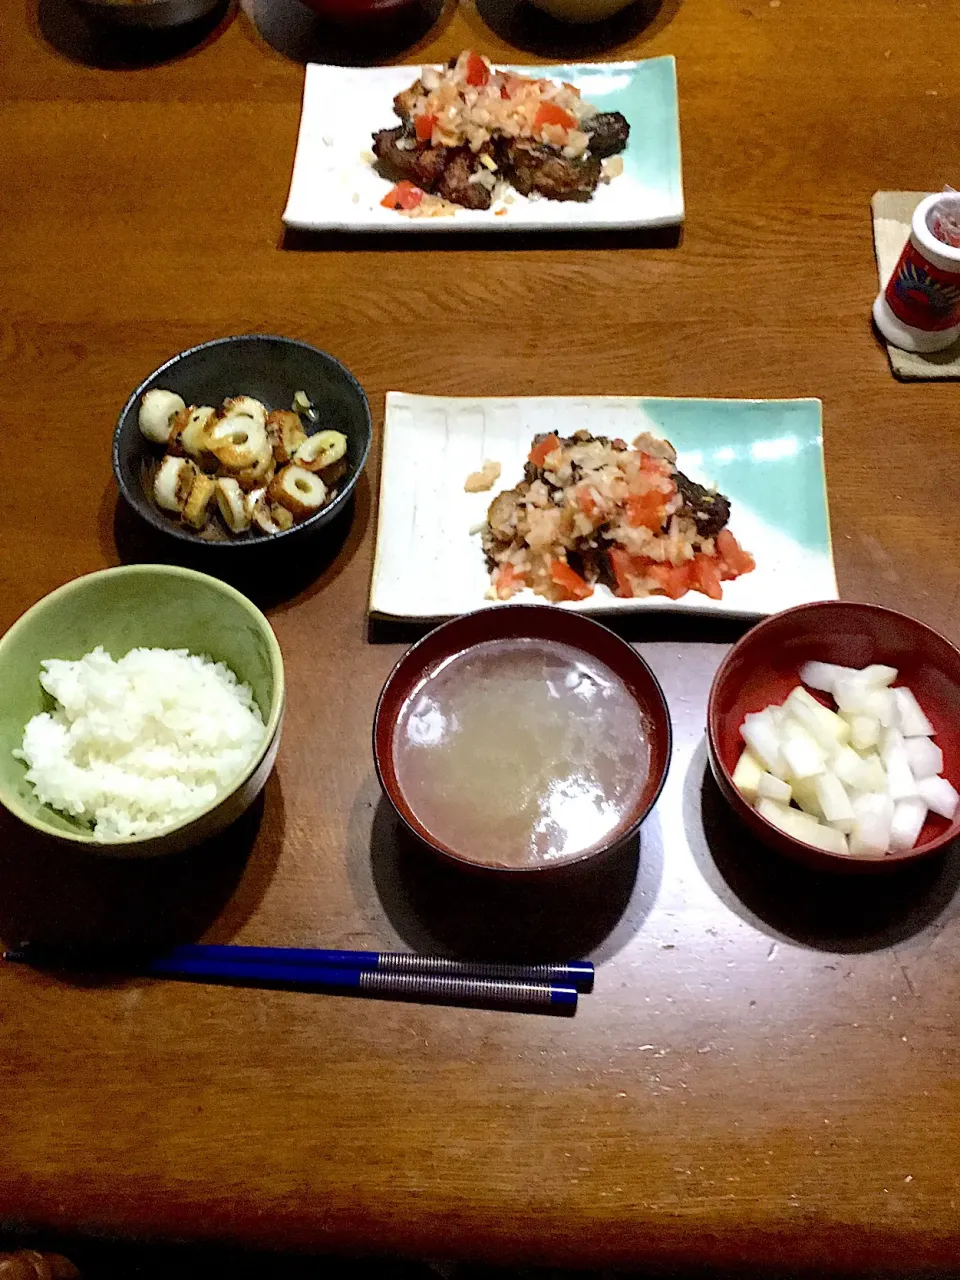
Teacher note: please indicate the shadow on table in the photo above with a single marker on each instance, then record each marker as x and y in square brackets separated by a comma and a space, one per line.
[64, 897]
[836, 913]
[270, 580]
[636, 628]
[474, 241]
[528, 28]
[437, 908]
[109, 46]
[296, 32]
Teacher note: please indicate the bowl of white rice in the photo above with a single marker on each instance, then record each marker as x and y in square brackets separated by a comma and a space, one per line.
[140, 710]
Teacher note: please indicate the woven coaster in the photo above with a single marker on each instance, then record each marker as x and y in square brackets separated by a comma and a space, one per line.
[892, 212]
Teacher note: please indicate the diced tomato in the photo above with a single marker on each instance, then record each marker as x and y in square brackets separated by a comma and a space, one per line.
[672, 579]
[424, 126]
[622, 564]
[653, 466]
[734, 560]
[507, 580]
[403, 196]
[586, 501]
[550, 113]
[573, 586]
[646, 511]
[538, 454]
[705, 576]
[478, 73]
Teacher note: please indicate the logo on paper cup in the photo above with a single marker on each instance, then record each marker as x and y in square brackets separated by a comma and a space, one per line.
[921, 295]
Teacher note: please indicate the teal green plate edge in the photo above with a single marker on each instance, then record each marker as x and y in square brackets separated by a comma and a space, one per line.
[650, 102]
[767, 454]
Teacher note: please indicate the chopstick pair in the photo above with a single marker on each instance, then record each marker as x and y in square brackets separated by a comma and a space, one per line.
[553, 988]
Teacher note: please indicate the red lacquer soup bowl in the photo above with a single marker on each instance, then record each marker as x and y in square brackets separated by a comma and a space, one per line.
[508, 623]
[764, 666]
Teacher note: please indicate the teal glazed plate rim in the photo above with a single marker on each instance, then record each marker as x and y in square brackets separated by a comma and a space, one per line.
[272, 713]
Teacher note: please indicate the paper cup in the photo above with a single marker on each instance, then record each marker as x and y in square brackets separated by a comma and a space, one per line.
[919, 310]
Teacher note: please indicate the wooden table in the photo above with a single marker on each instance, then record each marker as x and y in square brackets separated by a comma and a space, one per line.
[768, 1071]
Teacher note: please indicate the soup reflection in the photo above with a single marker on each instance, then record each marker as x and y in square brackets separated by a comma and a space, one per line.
[521, 752]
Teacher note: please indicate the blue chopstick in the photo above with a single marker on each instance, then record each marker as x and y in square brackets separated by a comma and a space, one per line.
[438, 988]
[574, 973]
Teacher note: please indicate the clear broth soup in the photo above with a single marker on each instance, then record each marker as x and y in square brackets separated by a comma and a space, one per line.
[521, 752]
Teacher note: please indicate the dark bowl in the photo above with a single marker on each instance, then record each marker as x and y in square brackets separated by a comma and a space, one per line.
[361, 12]
[764, 666]
[271, 369]
[511, 622]
[150, 14]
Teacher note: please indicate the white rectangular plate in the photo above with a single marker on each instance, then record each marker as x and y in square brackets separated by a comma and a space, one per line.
[765, 455]
[336, 188]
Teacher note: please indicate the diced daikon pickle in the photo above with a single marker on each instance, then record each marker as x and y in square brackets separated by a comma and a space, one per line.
[883, 705]
[805, 795]
[870, 836]
[913, 722]
[900, 780]
[874, 803]
[939, 795]
[828, 838]
[774, 788]
[803, 756]
[825, 725]
[852, 770]
[834, 802]
[878, 675]
[792, 821]
[875, 775]
[822, 675]
[926, 758]
[864, 731]
[762, 737]
[851, 694]
[779, 814]
[908, 819]
[747, 774]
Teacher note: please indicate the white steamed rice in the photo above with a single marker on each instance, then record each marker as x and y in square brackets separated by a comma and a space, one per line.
[138, 745]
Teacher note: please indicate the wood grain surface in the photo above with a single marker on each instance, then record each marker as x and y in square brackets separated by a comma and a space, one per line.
[768, 1074]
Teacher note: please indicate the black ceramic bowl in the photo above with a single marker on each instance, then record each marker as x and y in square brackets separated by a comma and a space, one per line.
[270, 369]
[152, 14]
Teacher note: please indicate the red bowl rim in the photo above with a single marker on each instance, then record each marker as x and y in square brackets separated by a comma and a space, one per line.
[424, 836]
[773, 834]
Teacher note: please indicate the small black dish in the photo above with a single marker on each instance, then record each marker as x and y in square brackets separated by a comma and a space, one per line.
[150, 14]
[272, 370]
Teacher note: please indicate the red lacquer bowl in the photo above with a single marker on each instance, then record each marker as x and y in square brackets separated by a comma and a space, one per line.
[510, 622]
[764, 666]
